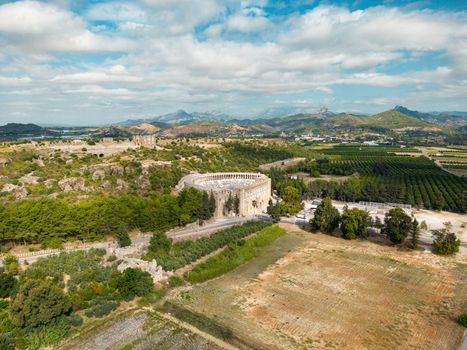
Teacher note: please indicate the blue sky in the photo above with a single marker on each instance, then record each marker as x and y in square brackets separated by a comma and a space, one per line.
[95, 62]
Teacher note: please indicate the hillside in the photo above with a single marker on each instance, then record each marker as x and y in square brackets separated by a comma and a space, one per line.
[144, 129]
[204, 128]
[394, 119]
[449, 119]
[17, 130]
[391, 120]
[21, 129]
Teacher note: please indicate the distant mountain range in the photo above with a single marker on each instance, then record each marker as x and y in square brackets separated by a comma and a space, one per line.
[179, 117]
[451, 119]
[181, 123]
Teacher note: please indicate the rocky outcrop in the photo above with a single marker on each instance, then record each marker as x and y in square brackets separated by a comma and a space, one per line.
[10, 188]
[117, 170]
[29, 178]
[73, 184]
[4, 161]
[98, 175]
[122, 185]
[19, 191]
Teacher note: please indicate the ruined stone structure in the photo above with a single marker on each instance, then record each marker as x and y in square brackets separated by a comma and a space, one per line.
[148, 141]
[130, 257]
[252, 189]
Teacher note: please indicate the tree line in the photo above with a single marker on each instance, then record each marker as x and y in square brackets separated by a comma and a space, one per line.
[43, 220]
[399, 227]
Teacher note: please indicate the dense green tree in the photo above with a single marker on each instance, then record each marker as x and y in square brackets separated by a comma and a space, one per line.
[11, 264]
[40, 220]
[135, 282]
[123, 237]
[354, 223]
[236, 205]
[292, 200]
[445, 241]
[162, 179]
[159, 243]
[274, 210]
[205, 211]
[326, 217]
[212, 204]
[7, 284]
[38, 303]
[414, 234]
[397, 225]
[7, 341]
[228, 205]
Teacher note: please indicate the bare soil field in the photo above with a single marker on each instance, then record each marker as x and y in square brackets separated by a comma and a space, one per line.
[313, 291]
[307, 178]
[281, 164]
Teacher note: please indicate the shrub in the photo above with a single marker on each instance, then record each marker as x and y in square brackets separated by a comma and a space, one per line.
[462, 319]
[7, 284]
[5, 322]
[75, 320]
[4, 304]
[446, 242]
[7, 341]
[47, 335]
[123, 237]
[11, 264]
[176, 281]
[5, 248]
[111, 258]
[135, 282]
[101, 306]
[159, 243]
[38, 303]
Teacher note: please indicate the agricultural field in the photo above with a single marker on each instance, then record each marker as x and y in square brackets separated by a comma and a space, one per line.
[384, 176]
[317, 291]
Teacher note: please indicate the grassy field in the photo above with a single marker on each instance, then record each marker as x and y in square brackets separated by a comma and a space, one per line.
[321, 292]
[237, 253]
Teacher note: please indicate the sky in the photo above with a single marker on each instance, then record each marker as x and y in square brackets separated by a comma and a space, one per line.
[95, 62]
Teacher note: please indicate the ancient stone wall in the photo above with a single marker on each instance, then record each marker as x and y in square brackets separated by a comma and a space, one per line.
[252, 189]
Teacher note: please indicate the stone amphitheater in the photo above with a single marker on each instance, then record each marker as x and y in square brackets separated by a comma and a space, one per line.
[252, 189]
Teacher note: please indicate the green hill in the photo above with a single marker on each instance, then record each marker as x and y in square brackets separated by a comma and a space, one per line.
[393, 119]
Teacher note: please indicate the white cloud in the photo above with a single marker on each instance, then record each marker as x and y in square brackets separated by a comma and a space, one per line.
[33, 27]
[245, 58]
[117, 11]
[95, 77]
[246, 24]
[8, 81]
[98, 90]
[176, 17]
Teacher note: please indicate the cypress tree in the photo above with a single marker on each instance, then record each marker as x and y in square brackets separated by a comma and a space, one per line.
[123, 237]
